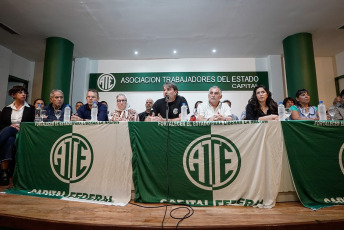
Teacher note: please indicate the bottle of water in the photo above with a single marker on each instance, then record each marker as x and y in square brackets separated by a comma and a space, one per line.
[38, 110]
[66, 114]
[94, 112]
[184, 112]
[281, 111]
[322, 111]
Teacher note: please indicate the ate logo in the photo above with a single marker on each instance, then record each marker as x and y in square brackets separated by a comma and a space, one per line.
[106, 82]
[71, 158]
[211, 162]
[341, 160]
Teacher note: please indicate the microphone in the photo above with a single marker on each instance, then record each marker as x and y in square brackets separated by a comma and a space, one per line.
[167, 98]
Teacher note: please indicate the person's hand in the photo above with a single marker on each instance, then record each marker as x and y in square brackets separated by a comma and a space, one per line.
[16, 126]
[75, 118]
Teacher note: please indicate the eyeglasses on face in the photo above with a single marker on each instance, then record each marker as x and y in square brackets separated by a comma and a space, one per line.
[124, 100]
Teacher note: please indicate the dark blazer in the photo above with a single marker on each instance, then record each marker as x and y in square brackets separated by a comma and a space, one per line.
[5, 116]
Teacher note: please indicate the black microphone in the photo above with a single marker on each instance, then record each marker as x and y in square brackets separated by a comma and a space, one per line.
[167, 98]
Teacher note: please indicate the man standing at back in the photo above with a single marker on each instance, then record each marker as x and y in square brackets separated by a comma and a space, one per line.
[214, 110]
[147, 112]
[84, 112]
[56, 98]
[174, 101]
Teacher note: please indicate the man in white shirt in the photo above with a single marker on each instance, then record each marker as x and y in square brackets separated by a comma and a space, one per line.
[214, 110]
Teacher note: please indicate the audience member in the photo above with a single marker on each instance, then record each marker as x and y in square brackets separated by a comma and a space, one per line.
[336, 100]
[302, 110]
[214, 110]
[174, 101]
[261, 106]
[56, 103]
[229, 103]
[123, 112]
[77, 106]
[104, 103]
[194, 116]
[10, 120]
[39, 101]
[288, 102]
[339, 108]
[84, 112]
[148, 111]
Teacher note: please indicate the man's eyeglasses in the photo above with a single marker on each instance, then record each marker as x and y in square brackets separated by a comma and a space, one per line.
[121, 100]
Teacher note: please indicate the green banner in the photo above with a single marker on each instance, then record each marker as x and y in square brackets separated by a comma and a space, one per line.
[315, 150]
[207, 163]
[71, 160]
[186, 81]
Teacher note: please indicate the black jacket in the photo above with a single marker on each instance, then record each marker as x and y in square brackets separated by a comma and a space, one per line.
[5, 116]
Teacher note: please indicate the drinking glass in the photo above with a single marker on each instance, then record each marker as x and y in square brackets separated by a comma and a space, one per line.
[305, 111]
[332, 112]
[43, 114]
[287, 113]
[58, 114]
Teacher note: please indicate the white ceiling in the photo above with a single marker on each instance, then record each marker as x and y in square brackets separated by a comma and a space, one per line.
[114, 29]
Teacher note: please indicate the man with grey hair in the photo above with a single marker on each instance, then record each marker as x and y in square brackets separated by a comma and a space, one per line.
[56, 103]
[214, 110]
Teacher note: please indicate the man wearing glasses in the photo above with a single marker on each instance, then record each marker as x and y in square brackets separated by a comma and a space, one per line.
[84, 112]
[123, 112]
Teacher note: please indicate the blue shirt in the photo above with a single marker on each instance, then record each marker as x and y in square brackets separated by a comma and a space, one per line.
[84, 112]
[51, 112]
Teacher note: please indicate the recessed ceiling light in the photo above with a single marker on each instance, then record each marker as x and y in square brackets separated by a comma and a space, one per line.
[136, 52]
[174, 51]
[214, 51]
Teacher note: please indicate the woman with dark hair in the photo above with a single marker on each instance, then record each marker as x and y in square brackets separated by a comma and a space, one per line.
[261, 106]
[302, 110]
[10, 119]
[288, 102]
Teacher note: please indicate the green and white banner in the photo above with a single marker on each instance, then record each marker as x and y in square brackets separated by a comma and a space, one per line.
[315, 151]
[80, 161]
[186, 81]
[207, 163]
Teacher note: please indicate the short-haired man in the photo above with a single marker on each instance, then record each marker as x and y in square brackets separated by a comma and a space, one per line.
[339, 108]
[148, 111]
[56, 98]
[84, 112]
[78, 105]
[214, 110]
[175, 102]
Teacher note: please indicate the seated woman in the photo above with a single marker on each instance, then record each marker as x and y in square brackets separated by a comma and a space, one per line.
[302, 110]
[261, 106]
[10, 119]
[123, 112]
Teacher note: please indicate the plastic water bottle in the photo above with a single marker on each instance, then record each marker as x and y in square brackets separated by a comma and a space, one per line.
[66, 114]
[184, 112]
[94, 112]
[281, 111]
[322, 111]
[38, 110]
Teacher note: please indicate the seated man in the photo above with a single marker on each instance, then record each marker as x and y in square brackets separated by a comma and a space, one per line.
[56, 98]
[339, 108]
[173, 101]
[147, 112]
[84, 112]
[77, 106]
[123, 112]
[214, 110]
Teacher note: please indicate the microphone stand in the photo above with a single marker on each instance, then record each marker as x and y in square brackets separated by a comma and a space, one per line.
[167, 110]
